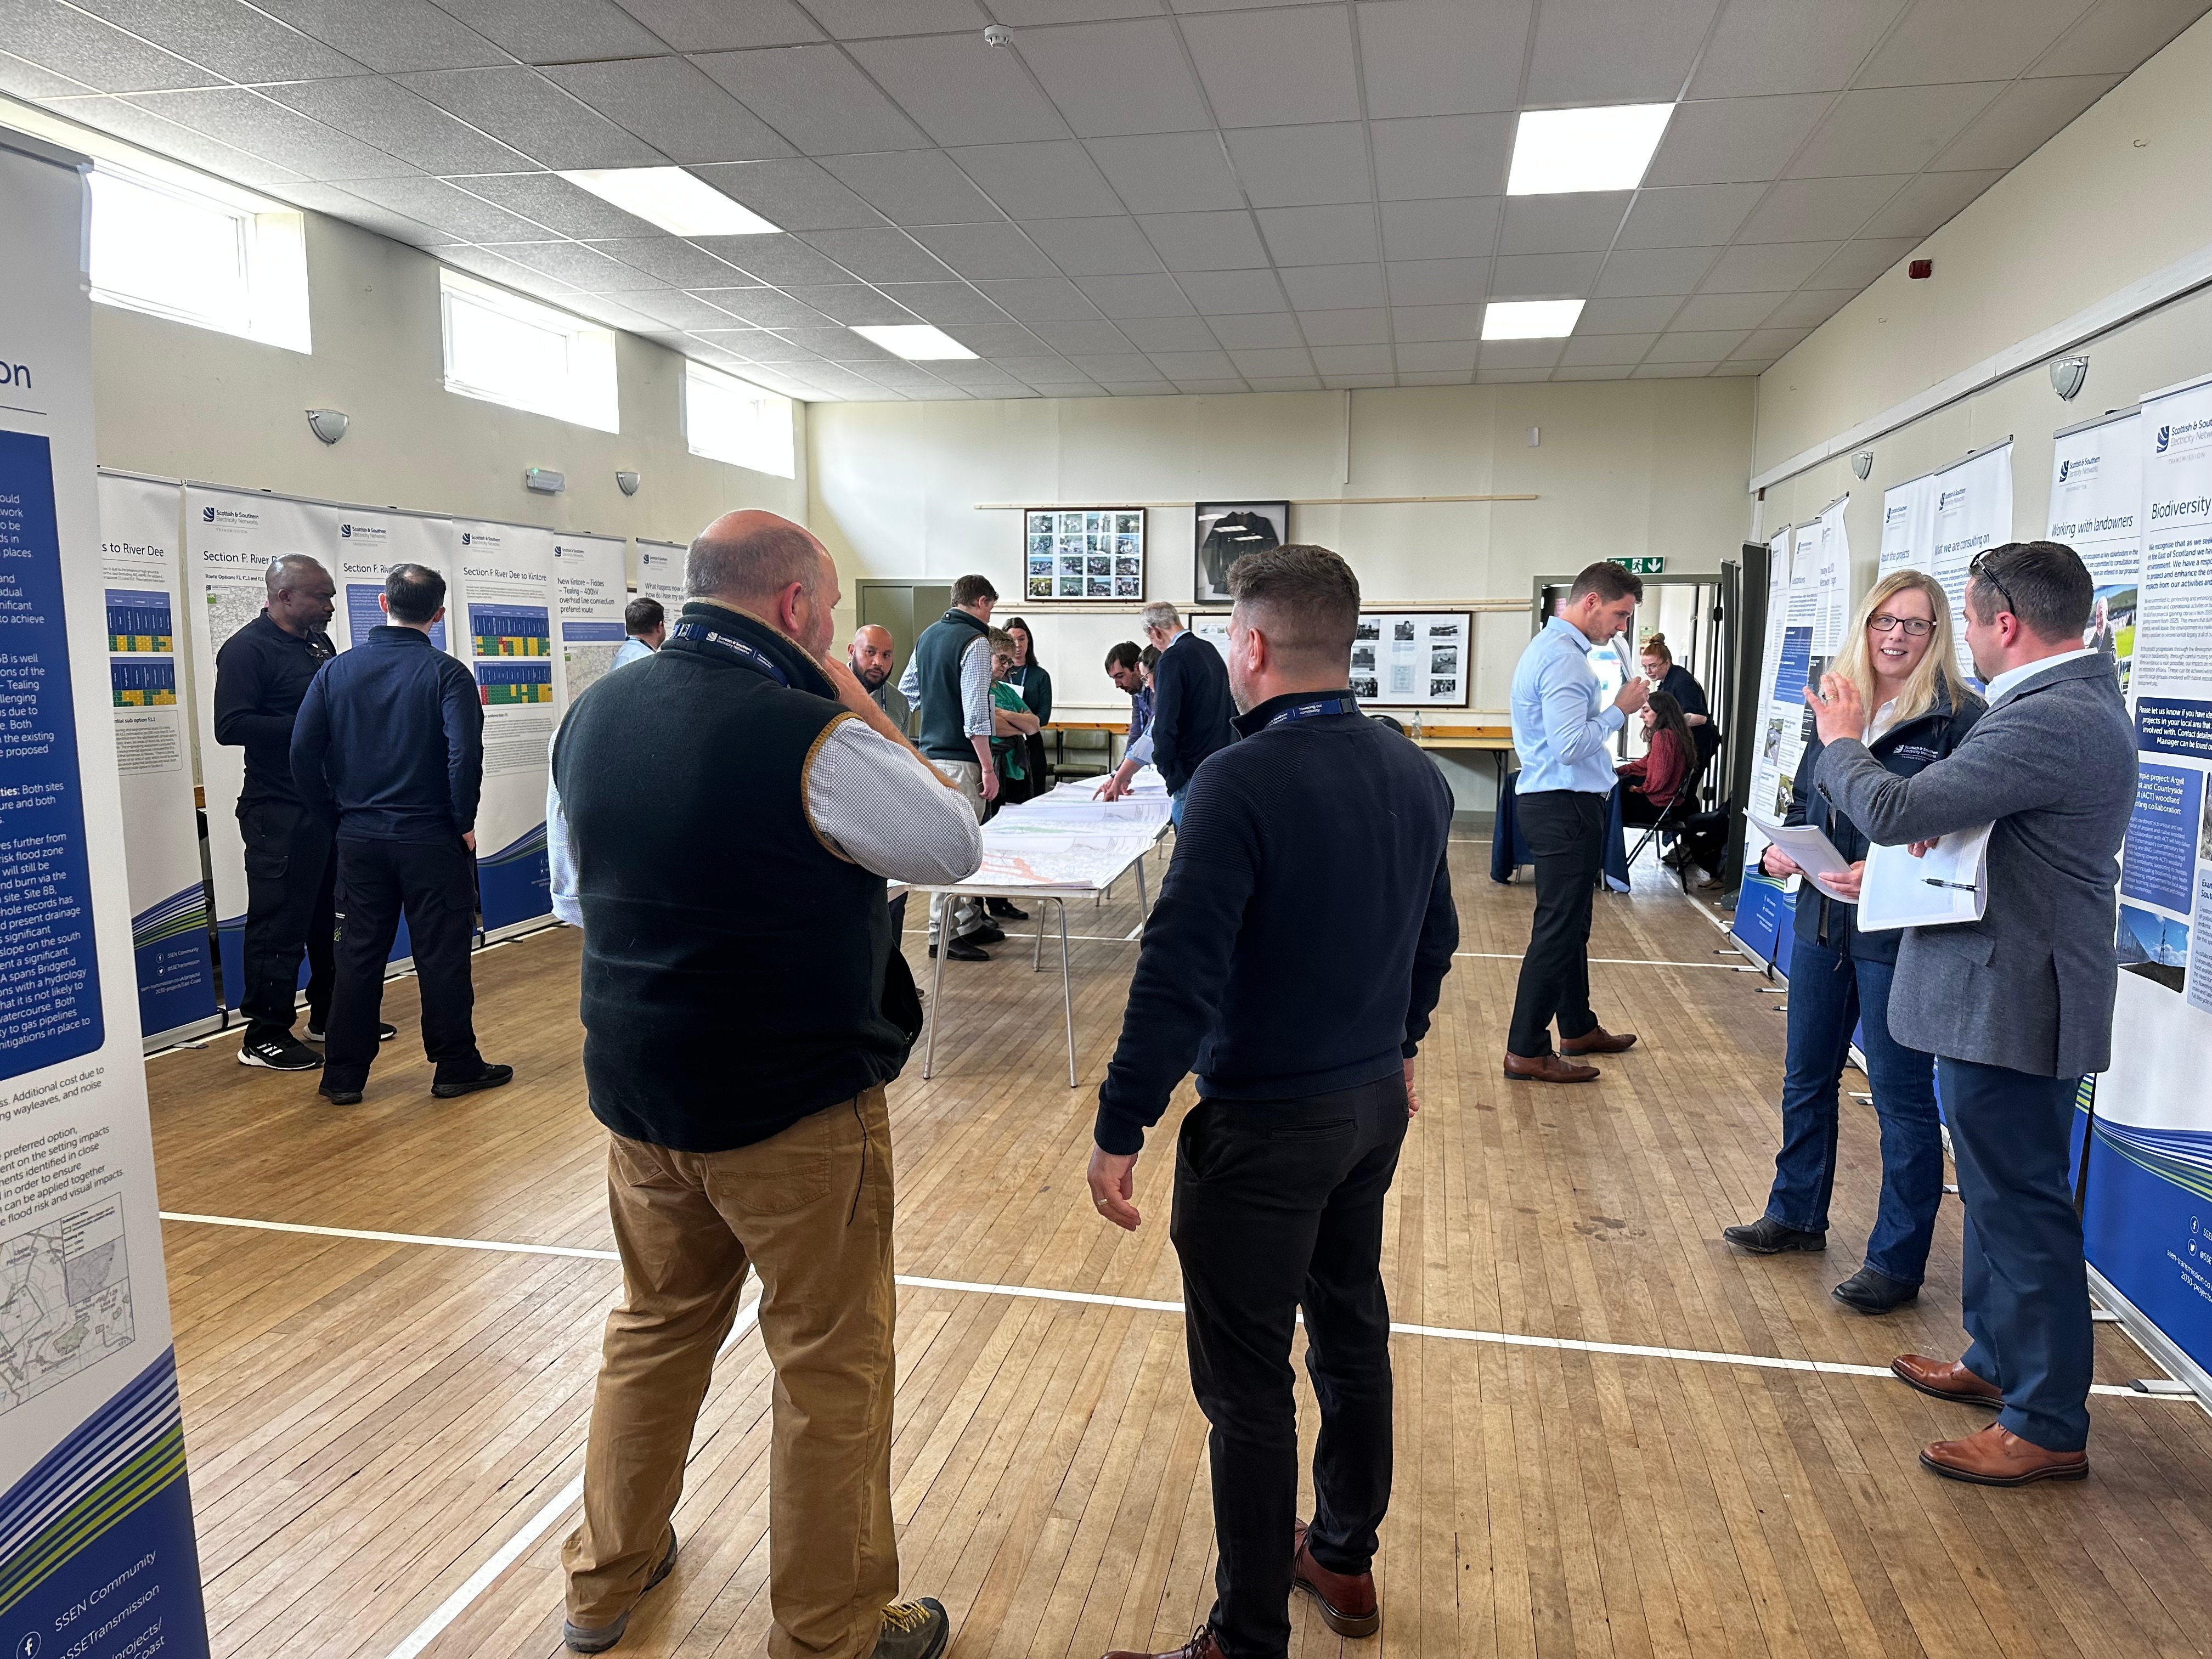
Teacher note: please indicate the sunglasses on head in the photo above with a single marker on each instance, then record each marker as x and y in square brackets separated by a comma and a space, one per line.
[1980, 567]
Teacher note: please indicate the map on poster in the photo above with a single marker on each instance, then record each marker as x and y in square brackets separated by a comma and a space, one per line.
[64, 1301]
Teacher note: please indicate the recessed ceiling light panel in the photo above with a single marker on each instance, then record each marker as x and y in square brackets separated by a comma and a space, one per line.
[1529, 319]
[680, 202]
[1557, 152]
[916, 342]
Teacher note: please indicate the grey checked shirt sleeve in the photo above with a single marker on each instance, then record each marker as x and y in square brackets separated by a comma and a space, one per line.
[887, 811]
[911, 682]
[975, 689]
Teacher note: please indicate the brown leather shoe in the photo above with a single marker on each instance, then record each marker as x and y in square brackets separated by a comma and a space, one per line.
[1598, 1041]
[1348, 1600]
[1546, 1068]
[1947, 1379]
[1201, 1645]
[1999, 1457]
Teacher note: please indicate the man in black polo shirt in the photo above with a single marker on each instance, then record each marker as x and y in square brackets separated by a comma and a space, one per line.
[389, 751]
[260, 675]
[1317, 841]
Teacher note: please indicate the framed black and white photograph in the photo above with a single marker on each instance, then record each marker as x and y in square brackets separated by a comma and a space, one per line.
[1228, 530]
[1084, 553]
[1400, 659]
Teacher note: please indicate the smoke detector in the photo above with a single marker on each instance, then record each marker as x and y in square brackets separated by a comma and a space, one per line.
[998, 35]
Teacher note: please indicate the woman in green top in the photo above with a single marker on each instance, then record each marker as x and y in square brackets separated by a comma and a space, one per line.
[1012, 725]
[1027, 677]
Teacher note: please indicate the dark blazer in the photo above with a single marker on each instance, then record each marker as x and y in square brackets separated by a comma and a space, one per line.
[1908, 749]
[2030, 986]
[1191, 709]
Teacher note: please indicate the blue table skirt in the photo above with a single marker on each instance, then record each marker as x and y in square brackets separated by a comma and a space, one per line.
[1509, 848]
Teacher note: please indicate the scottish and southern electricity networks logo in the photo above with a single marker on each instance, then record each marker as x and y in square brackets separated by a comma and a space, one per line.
[2164, 436]
[230, 518]
[1949, 499]
[2064, 467]
[466, 538]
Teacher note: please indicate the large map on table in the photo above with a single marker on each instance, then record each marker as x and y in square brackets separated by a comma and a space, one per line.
[1041, 858]
[64, 1301]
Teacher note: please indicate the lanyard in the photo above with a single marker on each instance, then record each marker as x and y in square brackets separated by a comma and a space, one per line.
[699, 632]
[1306, 711]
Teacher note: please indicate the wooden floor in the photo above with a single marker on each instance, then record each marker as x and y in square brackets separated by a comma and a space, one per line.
[370, 1421]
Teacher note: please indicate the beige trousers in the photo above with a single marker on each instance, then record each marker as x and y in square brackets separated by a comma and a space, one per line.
[810, 1210]
[966, 912]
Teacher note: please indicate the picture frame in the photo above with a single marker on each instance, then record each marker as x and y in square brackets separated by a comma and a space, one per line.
[1224, 532]
[1091, 554]
[1400, 659]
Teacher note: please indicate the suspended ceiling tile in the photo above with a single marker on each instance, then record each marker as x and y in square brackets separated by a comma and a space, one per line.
[1039, 299]
[1922, 206]
[1809, 308]
[1273, 363]
[1433, 323]
[915, 187]
[1889, 130]
[1464, 378]
[239, 41]
[1627, 316]
[127, 119]
[1767, 268]
[1136, 296]
[1511, 376]
[1584, 350]
[1856, 264]
[1791, 46]
[1520, 354]
[999, 340]
[1204, 241]
[1730, 140]
[1466, 228]
[1156, 335]
[678, 310]
[853, 20]
[1211, 387]
[1945, 40]
[1604, 51]
[944, 303]
[1609, 371]
[673, 106]
[385, 114]
[248, 121]
[1442, 156]
[1688, 216]
[1353, 359]
[1543, 276]
[1019, 14]
[1276, 68]
[1721, 311]
[1229, 292]
[1438, 282]
[1094, 247]
[521, 108]
[1335, 288]
[549, 31]
[494, 266]
[673, 260]
[795, 194]
[1369, 326]
[21, 78]
[1769, 343]
[976, 250]
[1355, 382]
[1441, 57]
[1169, 173]
[1078, 334]
[1803, 209]
[390, 36]
[1637, 273]
[1700, 346]
[433, 201]
[815, 97]
[1127, 75]
[2020, 120]
[1343, 234]
[581, 267]
[344, 204]
[1650, 371]
[1582, 223]
[1302, 167]
[2117, 35]
[1054, 178]
[717, 26]
[880, 255]
[774, 259]
[1117, 368]
[960, 91]
[1258, 331]
[1434, 356]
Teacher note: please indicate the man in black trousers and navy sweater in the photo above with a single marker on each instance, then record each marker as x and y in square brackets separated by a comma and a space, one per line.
[1317, 841]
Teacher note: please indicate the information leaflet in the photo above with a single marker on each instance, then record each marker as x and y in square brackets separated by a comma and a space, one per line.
[587, 570]
[142, 578]
[2147, 1214]
[97, 1558]
[508, 601]
[1972, 511]
[2096, 508]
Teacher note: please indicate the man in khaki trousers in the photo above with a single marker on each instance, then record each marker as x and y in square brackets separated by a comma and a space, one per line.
[739, 1028]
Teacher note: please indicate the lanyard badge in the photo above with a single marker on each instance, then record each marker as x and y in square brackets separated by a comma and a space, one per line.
[699, 634]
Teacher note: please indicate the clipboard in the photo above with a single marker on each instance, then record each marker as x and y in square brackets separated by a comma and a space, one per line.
[1950, 885]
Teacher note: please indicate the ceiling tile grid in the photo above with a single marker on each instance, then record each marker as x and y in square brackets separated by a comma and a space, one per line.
[1136, 196]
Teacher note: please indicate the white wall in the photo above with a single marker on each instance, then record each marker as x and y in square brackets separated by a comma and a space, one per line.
[1625, 468]
[191, 402]
[2119, 195]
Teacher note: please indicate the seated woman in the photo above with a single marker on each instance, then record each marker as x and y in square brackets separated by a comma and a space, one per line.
[1650, 782]
[1677, 682]
[1899, 655]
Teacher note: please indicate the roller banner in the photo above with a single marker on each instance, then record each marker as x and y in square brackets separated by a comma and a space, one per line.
[1971, 510]
[143, 583]
[97, 1555]
[2148, 1192]
[1761, 921]
[1908, 525]
[660, 573]
[588, 572]
[506, 610]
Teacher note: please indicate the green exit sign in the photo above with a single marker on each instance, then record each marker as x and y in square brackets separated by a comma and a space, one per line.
[1650, 566]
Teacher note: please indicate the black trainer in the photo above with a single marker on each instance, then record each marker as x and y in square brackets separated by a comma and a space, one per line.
[1873, 1294]
[961, 951]
[490, 1078]
[580, 1640]
[281, 1053]
[988, 933]
[999, 907]
[385, 1033]
[339, 1096]
[1767, 1237]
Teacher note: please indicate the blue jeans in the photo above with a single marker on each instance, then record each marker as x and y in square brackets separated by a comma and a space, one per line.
[1828, 993]
[1174, 807]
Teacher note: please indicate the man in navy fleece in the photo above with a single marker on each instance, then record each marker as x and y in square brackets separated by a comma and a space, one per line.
[1318, 840]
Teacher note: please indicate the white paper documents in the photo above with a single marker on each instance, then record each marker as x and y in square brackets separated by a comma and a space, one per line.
[1950, 883]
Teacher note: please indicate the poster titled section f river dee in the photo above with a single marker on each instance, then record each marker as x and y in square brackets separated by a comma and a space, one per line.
[97, 1559]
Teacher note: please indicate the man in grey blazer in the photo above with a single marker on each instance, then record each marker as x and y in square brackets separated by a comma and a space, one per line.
[2017, 1006]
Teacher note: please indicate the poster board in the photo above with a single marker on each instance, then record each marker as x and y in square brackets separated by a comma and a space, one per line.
[504, 615]
[142, 576]
[1972, 511]
[661, 566]
[589, 575]
[2096, 508]
[1763, 909]
[95, 1513]
[1908, 525]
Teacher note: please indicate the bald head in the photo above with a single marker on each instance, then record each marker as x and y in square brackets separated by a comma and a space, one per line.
[768, 568]
[300, 593]
[871, 656]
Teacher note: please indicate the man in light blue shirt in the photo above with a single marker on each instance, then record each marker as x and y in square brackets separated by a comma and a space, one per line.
[647, 624]
[1563, 728]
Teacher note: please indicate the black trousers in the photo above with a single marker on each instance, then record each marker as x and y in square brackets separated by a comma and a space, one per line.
[290, 866]
[1566, 832]
[1278, 1206]
[434, 883]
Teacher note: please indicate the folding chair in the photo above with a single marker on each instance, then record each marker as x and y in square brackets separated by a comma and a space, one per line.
[1675, 816]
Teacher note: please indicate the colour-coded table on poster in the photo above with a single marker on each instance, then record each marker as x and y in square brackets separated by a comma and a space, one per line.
[139, 619]
[143, 685]
[510, 630]
[505, 684]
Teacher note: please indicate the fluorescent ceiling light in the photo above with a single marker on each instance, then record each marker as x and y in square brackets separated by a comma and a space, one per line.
[916, 342]
[679, 202]
[1557, 151]
[1529, 319]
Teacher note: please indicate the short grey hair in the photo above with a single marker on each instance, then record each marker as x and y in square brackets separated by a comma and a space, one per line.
[756, 564]
[287, 567]
[1160, 614]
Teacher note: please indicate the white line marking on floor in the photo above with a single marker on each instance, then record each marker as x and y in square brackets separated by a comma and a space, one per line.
[1446, 1332]
[1606, 962]
[532, 1529]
